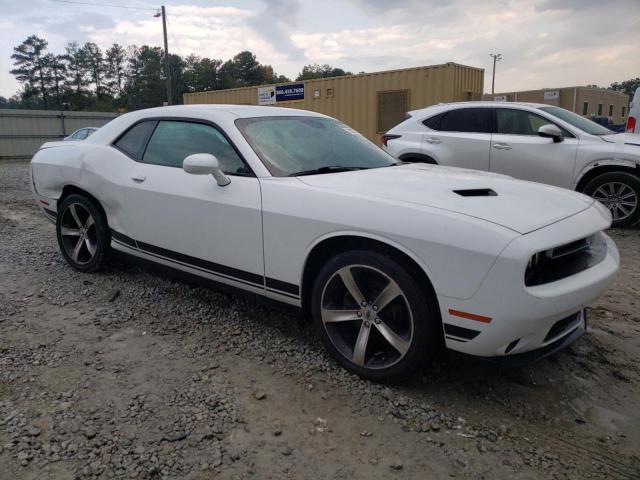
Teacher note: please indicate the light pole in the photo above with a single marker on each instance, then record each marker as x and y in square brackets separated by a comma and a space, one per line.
[496, 57]
[162, 13]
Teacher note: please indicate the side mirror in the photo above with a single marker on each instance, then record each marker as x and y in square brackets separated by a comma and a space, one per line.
[551, 131]
[205, 164]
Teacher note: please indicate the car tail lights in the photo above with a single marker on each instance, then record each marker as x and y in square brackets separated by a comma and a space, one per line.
[386, 137]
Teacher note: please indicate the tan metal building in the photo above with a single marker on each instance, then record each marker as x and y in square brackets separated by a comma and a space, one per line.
[371, 103]
[586, 101]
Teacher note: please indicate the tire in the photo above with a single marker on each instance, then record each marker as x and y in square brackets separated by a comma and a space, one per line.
[82, 232]
[620, 193]
[410, 319]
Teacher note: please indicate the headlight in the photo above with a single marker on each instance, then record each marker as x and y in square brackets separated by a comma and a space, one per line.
[532, 266]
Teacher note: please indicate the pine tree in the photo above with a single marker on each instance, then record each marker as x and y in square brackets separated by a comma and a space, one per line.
[28, 60]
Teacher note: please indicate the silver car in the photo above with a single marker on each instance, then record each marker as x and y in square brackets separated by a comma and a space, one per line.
[537, 142]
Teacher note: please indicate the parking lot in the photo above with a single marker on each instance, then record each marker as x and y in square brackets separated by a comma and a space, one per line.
[134, 373]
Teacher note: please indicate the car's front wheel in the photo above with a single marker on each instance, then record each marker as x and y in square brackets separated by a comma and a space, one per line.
[372, 317]
[83, 233]
[620, 193]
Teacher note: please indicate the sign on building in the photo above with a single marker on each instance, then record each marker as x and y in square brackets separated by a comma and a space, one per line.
[500, 98]
[267, 95]
[552, 95]
[293, 91]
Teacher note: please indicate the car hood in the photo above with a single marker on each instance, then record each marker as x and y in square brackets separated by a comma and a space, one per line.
[518, 205]
[632, 139]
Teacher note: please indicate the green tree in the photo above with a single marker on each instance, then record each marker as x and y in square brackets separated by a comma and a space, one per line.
[628, 86]
[320, 71]
[244, 70]
[116, 60]
[29, 66]
[145, 85]
[202, 74]
[93, 62]
[76, 72]
[55, 69]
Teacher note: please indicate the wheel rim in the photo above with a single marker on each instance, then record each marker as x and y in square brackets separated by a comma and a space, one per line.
[620, 198]
[367, 316]
[78, 232]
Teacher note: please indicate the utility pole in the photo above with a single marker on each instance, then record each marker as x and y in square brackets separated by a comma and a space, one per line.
[495, 56]
[167, 72]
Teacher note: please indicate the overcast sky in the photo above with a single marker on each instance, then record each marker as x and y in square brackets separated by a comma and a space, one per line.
[544, 43]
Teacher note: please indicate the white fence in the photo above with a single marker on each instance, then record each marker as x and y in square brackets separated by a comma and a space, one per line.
[23, 131]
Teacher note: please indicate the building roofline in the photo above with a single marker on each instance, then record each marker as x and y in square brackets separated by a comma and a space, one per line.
[341, 77]
[557, 88]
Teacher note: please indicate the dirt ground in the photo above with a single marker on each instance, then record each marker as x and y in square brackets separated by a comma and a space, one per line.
[134, 373]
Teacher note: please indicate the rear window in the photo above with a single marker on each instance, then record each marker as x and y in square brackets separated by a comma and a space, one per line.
[433, 123]
[135, 139]
[472, 120]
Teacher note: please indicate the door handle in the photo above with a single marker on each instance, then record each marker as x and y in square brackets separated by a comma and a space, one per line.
[139, 178]
[433, 140]
[501, 146]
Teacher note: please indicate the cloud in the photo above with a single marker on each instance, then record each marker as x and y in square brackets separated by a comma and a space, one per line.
[275, 23]
[543, 42]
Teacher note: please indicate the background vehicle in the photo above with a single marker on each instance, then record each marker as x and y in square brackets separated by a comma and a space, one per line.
[607, 123]
[81, 133]
[536, 142]
[304, 210]
[633, 120]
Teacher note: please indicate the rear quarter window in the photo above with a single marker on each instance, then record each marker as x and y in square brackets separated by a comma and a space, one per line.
[134, 140]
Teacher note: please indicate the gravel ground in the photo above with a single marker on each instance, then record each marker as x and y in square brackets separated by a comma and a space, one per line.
[134, 373]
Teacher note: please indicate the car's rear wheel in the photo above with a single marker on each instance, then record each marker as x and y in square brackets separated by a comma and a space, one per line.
[620, 193]
[83, 233]
[372, 317]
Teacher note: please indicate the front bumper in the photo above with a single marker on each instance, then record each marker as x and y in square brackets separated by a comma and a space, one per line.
[509, 319]
[563, 340]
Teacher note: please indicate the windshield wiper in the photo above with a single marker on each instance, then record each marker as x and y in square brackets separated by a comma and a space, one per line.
[325, 169]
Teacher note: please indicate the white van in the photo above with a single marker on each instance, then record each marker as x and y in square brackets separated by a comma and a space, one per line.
[633, 121]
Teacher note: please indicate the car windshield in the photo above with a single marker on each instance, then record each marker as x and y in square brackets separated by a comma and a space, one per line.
[300, 145]
[577, 121]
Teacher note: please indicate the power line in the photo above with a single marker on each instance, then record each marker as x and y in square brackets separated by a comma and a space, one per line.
[174, 37]
[95, 4]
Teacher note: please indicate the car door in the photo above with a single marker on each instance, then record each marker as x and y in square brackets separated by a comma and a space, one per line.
[190, 220]
[518, 150]
[459, 137]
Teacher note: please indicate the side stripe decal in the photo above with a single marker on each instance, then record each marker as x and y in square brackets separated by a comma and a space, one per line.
[130, 242]
[460, 332]
[249, 278]
[290, 288]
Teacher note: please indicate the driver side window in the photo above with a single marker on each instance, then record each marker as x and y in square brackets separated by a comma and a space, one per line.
[511, 121]
[174, 140]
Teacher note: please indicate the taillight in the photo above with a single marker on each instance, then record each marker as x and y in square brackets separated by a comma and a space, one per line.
[631, 125]
[386, 137]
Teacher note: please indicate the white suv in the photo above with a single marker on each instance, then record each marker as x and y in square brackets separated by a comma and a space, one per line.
[536, 142]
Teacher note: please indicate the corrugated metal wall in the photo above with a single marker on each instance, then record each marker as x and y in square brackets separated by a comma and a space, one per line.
[23, 131]
[354, 98]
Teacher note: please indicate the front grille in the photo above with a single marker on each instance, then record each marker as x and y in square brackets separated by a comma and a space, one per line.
[566, 260]
[562, 326]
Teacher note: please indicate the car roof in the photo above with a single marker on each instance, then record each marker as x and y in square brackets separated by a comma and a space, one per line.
[237, 111]
[441, 107]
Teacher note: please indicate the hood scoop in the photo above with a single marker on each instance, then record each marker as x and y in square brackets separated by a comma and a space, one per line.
[476, 192]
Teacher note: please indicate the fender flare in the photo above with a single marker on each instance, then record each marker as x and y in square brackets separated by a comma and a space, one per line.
[624, 164]
[365, 236]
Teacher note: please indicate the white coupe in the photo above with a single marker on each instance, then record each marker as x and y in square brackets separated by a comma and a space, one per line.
[537, 142]
[391, 261]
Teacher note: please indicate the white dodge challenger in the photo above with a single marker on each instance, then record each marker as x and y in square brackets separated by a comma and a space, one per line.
[391, 261]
